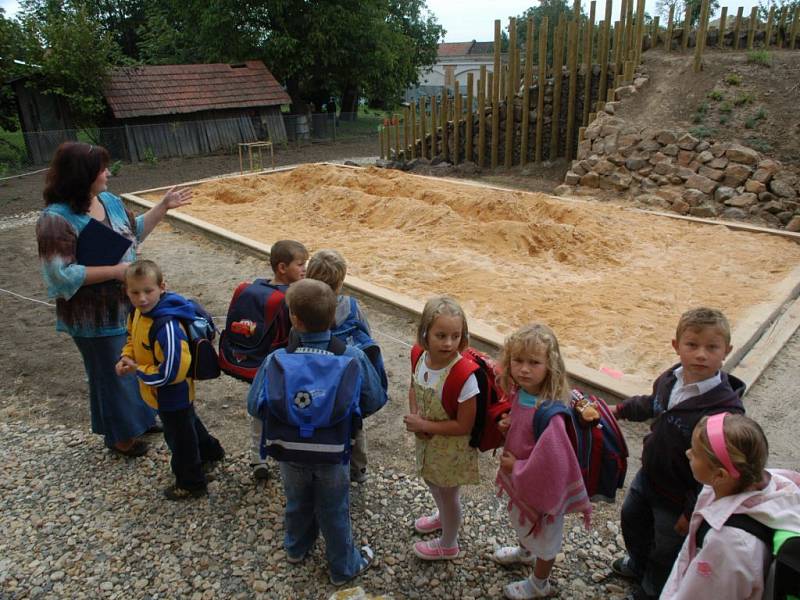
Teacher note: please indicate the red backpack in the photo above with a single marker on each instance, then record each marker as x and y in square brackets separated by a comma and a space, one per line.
[257, 323]
[491, 403]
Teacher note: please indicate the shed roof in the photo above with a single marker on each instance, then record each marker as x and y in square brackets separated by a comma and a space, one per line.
[454, 48]
[175, 89]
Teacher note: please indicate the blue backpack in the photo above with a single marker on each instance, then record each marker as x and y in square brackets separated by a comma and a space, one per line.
[200, 332]
[599, 445]
[353, 332]
[310, 404]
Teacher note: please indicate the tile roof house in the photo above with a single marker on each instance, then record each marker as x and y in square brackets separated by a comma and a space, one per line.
[454, 60]
[179, 110]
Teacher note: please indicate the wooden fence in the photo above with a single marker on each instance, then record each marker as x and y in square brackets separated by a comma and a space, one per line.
[524, 112]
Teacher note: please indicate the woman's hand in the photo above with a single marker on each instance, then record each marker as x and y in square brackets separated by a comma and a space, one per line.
[175, 198]
[507, 461]
[415, 423]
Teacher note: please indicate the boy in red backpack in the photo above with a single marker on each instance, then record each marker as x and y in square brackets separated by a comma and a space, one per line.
[258, 323]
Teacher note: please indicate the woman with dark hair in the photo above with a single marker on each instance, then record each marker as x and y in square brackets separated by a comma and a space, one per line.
[91, 304]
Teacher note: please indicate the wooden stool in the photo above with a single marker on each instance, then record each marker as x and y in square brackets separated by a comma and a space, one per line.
[259, 146]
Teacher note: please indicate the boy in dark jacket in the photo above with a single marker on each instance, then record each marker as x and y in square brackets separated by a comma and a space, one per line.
[163, 374]
[655, 513]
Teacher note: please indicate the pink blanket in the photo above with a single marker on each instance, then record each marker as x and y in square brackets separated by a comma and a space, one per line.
[548, 481]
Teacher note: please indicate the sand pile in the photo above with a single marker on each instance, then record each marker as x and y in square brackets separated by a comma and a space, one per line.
[611, 282]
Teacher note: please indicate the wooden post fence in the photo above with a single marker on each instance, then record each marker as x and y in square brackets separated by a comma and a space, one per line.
[655, 32]
[542, 77]
[456, 122]
[558, 78]
[737, 30]
[587, 61]
[434, 129]
[572, 65]
[700, 42]
[511, 85]
[423, 117]
[768, 33]
[443, 116]
[496, 96]
[670, 29]
[482, 117]
[751, 29]
[723, 25]
[687, 22]
[526, 94]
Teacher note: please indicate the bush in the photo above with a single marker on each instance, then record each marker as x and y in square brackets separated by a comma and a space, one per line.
[723, 119]
[716, 95]
[733, 79]
[149, 156]
[759, 144]
[759, 57]
[115, 168]
[743, 99]
[726, 108]
[702, 132]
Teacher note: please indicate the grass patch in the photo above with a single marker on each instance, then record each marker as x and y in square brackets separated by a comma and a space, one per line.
[759, 57]
[725, 108]
[723, 119]
[12, 150]
[744, 99]
[759, 144]
[758, 116]
[733, 79]
[702, 132]
[716, 95]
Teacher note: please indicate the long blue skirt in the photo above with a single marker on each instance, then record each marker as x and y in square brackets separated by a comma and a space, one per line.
[118, 411]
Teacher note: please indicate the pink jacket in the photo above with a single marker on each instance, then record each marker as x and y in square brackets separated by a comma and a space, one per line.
[731, 562]
[546, 479]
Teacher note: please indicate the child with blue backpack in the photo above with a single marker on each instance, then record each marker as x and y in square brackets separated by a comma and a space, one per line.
[732, 531]
[162, 368]
[540, 475]
[350, 326]
[311, 397]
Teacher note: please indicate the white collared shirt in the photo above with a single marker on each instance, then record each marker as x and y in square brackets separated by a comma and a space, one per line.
[683, 391]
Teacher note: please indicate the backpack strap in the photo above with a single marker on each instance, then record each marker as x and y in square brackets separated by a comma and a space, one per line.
[459, 373]
[335, 345]
[546, 411]
[739, 521]
[156, 326]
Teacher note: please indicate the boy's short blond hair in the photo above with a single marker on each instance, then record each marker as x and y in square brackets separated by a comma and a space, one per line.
[702, 317]
[144, 268]
[313, 302]
[329, 267]
[286, 251]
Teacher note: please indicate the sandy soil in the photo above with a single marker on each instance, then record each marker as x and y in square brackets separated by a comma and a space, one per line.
[612, 299]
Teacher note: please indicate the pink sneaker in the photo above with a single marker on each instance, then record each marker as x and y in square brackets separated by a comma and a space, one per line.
[428, 524]
[433, 550]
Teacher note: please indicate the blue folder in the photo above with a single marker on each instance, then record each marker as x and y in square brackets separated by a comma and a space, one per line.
[100, 246]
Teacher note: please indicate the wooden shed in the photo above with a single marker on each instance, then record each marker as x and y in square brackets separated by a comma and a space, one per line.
[182, 110]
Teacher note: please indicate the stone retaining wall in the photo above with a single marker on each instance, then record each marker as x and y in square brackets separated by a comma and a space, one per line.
[674, 170]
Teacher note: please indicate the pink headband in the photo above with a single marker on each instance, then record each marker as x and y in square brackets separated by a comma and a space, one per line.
[716, 437]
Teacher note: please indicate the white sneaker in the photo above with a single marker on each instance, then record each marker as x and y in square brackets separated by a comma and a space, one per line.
[526, 590]
[513, 555]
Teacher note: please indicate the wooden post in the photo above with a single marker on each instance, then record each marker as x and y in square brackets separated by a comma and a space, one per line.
[687, 23]
[380, 139]
[526, 94]
[627, 73]
[700, 42]
[670, 29]
[768, 34]
[511, 84]
[576, 10]
[542, 82]
[795, 28]
[456, 123]
[619, 52]
[434, 129]
[496, 96]
[413, 130]
[782, 25]
[629, 31]
[443, 115]
[640, 29]
[751, 29]
[572, 65]
[737, 30]
[468, 128]
[423, 117]
[406, 135]
[587, 61]
[482, 118]
[780, 19]
[618, 30]
[655, 32]
[396, 119]
[723, 25]
[558, 78]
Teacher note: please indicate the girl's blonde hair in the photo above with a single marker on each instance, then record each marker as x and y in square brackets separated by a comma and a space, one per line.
[747, 446]
[525, 341]
[435, 307]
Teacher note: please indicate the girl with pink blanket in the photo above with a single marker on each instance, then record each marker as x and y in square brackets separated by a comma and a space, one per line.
[541, 477]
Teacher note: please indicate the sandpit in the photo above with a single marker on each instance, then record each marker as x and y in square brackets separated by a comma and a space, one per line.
[610, 281]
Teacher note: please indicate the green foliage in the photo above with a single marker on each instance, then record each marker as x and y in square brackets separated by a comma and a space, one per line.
[759, 144]
[733, 79]
[150, 157]
[743, 99]
[702, 132]
[115, 167]
[551, 9]
[725, 107]
[723, 119]
[759, 115]
[12, 149]
[11, 43]
[713, 8]
[759, 57]
[716, 95]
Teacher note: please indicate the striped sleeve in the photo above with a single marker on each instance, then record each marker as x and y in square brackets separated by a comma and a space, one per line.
[173, 356]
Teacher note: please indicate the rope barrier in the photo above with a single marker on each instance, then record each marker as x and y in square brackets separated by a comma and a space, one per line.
[22, 174]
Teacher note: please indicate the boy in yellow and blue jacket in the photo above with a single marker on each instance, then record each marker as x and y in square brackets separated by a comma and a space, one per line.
[162, 371]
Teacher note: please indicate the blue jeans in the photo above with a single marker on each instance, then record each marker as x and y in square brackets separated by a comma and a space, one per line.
[648, 522]
[117, 409]
[191, 445]
[318, 499]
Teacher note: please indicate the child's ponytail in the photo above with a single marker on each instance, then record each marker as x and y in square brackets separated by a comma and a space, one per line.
[745, 445]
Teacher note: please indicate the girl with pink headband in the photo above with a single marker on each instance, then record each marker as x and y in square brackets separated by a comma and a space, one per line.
[728, 455]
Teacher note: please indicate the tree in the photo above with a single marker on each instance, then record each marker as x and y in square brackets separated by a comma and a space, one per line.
[697, 5]
[552, 9]
[663, 7]
[10, 52]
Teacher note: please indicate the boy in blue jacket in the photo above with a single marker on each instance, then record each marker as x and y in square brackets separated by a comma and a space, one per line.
[162, 372]
[318, 494]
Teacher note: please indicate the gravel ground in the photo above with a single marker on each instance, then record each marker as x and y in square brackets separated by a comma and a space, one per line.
[68, 534]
